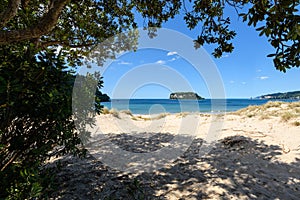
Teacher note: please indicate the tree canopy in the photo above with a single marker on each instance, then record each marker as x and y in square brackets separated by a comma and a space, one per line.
[78, 26]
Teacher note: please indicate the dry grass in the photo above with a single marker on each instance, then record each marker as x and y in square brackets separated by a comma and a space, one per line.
[248, 110]
[296, 123]
[287, 116]
[250, 115]
[263, 116]
[134, 118]
[162, 115]
[205, 115]
[182, 114]
[127, 112]
[105, 111]
[273, 104]
[294, 105]
[286, 111]
[114, 112]
[297, 110]
[140, 117]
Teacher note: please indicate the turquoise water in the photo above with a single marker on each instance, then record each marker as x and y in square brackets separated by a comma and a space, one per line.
[156, 106]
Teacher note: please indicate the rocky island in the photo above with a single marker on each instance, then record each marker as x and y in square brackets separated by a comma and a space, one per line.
[185, 95]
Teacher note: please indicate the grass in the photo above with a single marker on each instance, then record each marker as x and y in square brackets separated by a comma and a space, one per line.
[286, 116]
[250, 115]
[162, 115]
[140, 117]
[264, 116]
[105, 111]
[296, 123]
[286, 111]
[127, 112]
[294, 105]
[272, 104]
[182, 114]
[297, 110]
[114, 113]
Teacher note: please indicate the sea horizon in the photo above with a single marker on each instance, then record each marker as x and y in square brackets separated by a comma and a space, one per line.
[157, 106]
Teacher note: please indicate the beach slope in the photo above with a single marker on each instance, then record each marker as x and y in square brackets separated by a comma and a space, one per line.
[254, 153]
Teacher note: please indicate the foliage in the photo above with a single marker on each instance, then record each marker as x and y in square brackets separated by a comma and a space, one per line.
[86, 102]
[100, 97]
[286, 95]
[35, 116]
[78, 26]
[278, 20]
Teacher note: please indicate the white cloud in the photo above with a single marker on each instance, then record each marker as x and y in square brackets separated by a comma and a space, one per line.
[259, 70]
[171, 53]
[263, 77]
[225, 56]
[244, 83]
[231, 82]
[174, 58]
[124, 63]
[160, 62]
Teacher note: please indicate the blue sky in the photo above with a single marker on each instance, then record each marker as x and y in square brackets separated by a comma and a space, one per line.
[154, 72]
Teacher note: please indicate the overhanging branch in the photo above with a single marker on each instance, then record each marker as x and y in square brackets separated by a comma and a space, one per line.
[45, 25]
[65, 44]
[10, 12]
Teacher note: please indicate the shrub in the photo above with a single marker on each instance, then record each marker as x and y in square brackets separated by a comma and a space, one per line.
[35, 118]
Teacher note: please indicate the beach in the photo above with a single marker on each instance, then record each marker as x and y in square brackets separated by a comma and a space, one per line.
[253, 153]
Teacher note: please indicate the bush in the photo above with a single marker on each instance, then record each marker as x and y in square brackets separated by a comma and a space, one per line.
[35, 118]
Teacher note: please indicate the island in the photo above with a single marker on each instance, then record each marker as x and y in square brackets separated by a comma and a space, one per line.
[185, 95]
[286, 95]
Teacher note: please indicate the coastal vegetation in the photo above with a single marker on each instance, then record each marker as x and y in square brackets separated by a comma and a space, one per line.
[43, 41]
[280, 95]
[286, 111]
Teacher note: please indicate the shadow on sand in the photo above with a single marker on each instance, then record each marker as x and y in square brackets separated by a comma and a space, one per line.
[236, 168]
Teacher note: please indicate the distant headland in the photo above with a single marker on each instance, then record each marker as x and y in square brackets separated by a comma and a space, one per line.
[286, 95]
[185, 95]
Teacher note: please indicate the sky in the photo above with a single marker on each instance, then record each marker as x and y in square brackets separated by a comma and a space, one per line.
[169, 63]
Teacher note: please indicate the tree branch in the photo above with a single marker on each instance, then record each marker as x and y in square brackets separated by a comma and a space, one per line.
[10, 12]
[24, 3]
[45, 25]
[65, 44]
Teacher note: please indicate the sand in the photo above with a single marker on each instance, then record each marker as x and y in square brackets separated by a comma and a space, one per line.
[250, 154]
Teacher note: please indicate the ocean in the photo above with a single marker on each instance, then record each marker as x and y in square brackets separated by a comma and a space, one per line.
[157, 106]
